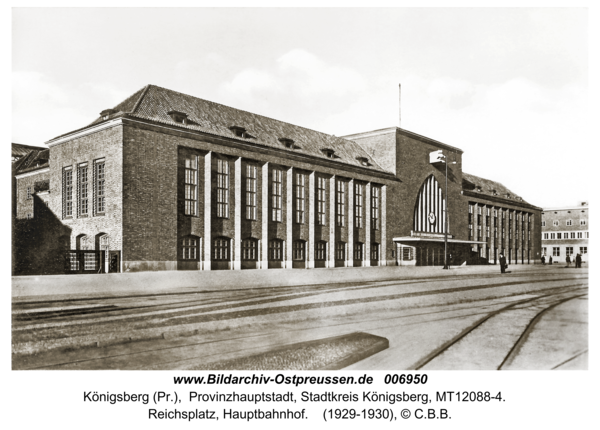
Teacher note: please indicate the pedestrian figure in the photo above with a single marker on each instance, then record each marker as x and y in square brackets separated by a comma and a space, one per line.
[568, 261]
[550, 260]
[503, 264]
[544, 260]
[578, 261]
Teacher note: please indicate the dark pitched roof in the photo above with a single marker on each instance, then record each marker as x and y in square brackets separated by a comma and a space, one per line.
[19, 150]
[153, 103]
[34, 160]
[489, 188]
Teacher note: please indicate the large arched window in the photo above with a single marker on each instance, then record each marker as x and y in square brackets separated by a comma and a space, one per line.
[430, 208]
[83, 243]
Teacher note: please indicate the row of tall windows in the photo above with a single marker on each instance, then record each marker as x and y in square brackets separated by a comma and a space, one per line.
[494, 212]
[251, 189]
[90, 190]
[221, 250]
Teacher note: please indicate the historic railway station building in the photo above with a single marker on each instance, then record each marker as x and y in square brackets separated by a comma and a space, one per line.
[167, 181]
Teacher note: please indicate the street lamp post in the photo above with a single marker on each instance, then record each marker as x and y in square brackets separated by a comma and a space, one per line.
[437, 157]
[446, 217]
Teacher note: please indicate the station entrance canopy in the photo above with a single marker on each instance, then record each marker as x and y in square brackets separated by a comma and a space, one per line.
[428, 250]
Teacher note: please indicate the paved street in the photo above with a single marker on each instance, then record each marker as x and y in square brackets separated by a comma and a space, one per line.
[467, 318]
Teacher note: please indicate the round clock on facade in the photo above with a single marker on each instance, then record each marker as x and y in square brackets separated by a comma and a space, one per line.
[431, 218]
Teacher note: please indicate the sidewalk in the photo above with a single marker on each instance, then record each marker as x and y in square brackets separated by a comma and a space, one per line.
[61, 287]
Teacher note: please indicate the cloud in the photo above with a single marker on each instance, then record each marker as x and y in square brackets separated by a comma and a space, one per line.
[296, 78]
[42, 109]
[30, 88]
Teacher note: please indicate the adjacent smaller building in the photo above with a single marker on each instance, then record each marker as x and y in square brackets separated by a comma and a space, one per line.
[565, 231]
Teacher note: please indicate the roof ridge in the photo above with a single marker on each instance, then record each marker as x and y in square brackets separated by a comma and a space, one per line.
[140, 98]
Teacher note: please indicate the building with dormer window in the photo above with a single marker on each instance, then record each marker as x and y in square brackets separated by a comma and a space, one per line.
[168, 181]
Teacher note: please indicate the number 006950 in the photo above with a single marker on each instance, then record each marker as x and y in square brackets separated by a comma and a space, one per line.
[405, 379]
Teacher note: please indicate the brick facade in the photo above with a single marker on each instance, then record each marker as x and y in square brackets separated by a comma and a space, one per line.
[189, 191]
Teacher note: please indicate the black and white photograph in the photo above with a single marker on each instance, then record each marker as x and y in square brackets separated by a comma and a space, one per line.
[394, 193]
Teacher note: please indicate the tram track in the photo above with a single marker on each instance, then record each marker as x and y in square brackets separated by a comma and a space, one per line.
[179, 309]
[468, 310]
[529, 304]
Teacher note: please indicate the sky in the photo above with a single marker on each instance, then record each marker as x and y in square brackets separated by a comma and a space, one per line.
[509, 86]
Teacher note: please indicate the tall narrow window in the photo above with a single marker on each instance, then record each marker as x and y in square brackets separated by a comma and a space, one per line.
[251, 191]
[67, 192]
[189, 248]
[28, 193]
[191, 185]
[375, 192]
[321, 251]
[374, 251]
[249, 249]
[358, 205]
[222, 188]
[340, 202]
[299, 250]
[340, 251]
[276, 197]
[221, 249]
[100, 196]
[276, 250]
[300, 197]
[321, 200]
[83, 194]
[358, 251]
